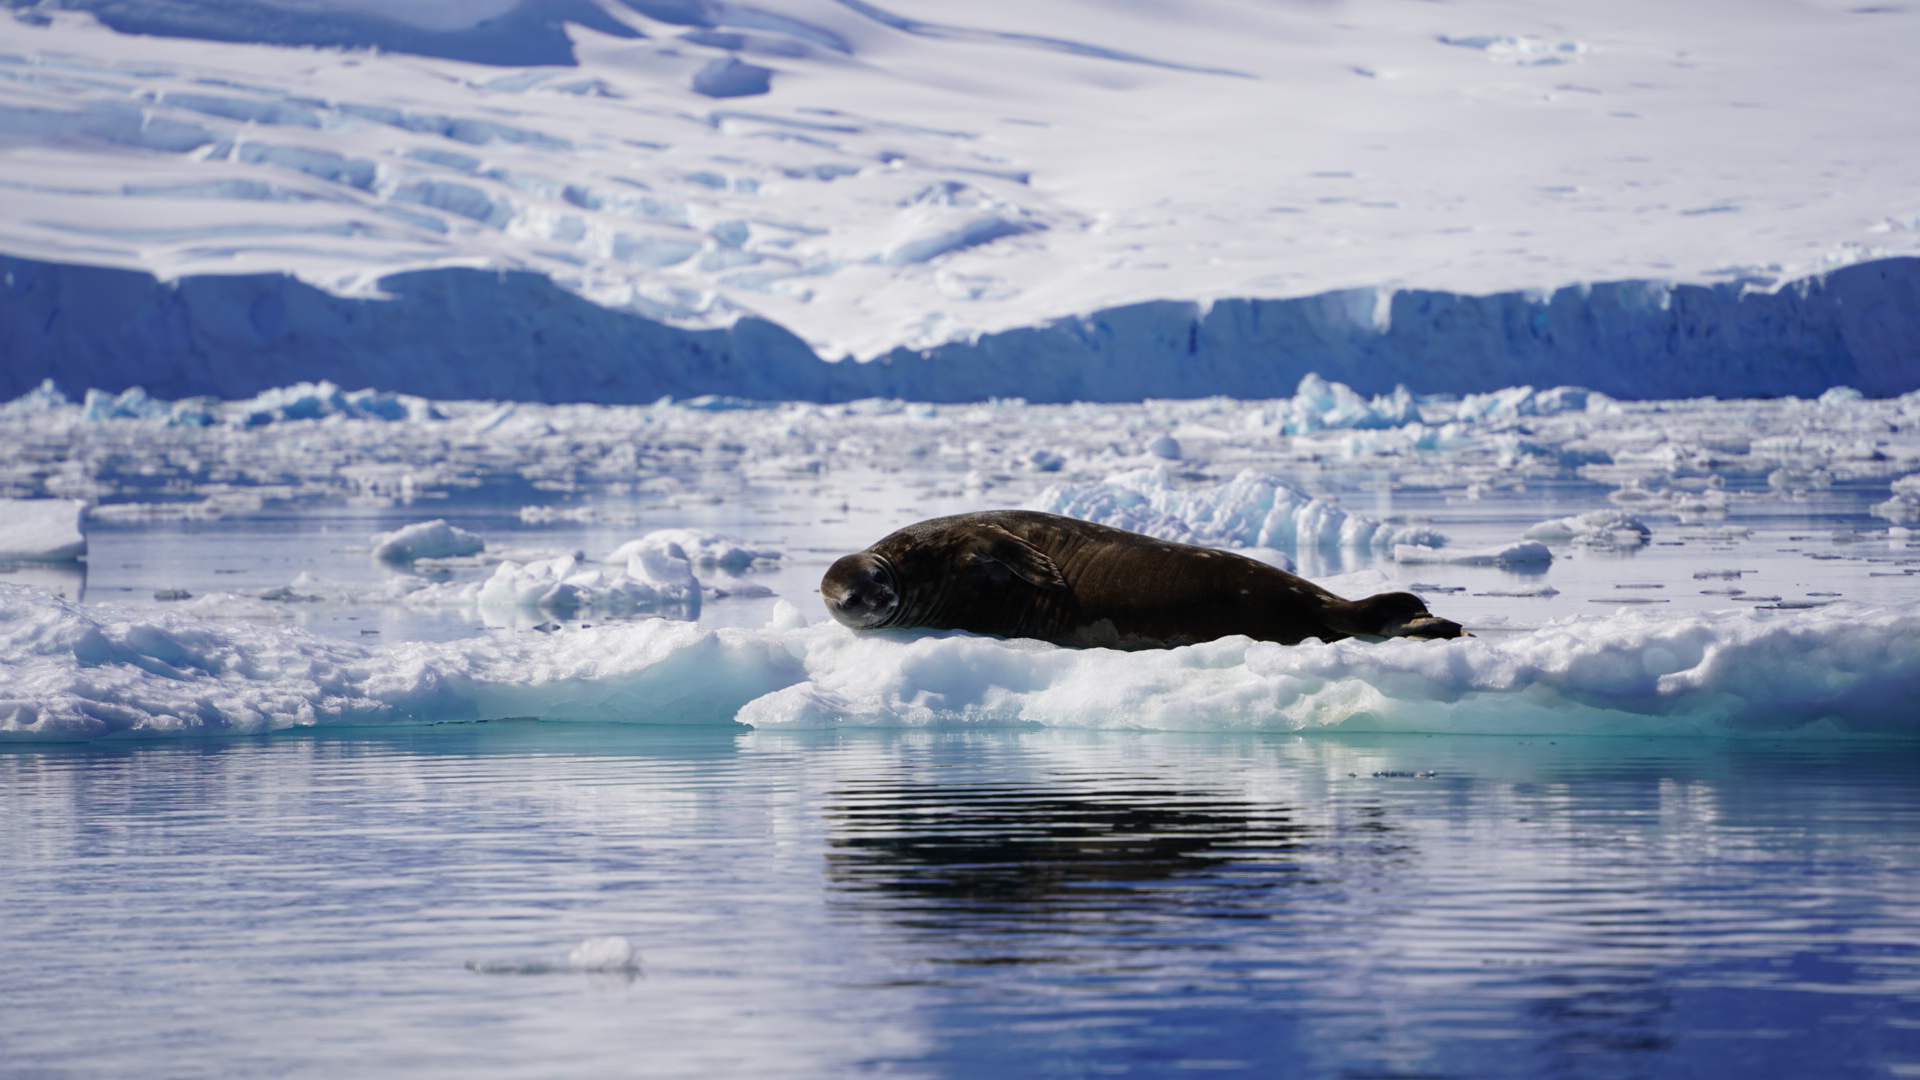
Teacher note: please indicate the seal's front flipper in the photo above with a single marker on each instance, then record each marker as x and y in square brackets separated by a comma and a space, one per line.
[991, 543]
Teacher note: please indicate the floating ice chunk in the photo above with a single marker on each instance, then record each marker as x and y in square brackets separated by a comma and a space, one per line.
[1320, 405]
[1251, 510]
[130, 404]
[786, 617]
[39, 401]
[425, 540]
[653, 578]
[42, 530]
[1794, 480]
[1166, 447]
[316, 401]
[1605, 528]
[698, 546]
[1904, 507]
[666, 573]
[612, 953]
[1046, 461]
[1518, 553]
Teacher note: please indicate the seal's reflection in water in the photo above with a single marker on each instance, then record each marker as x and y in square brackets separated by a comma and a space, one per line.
[1019, 858]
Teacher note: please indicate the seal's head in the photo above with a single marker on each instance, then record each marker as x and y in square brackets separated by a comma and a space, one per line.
[1401, 614]
[861, 591]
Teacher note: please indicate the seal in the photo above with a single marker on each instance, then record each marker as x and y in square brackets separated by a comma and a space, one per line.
[1022, 573]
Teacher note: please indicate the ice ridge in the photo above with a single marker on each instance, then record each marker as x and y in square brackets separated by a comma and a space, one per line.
[80, 673]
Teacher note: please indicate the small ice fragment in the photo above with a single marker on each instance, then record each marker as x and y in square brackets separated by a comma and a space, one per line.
[1519, 552]
[1599, 528]
[1166, 446]
[699, 547]
[1046, 461]
[172, 594]
[1638, 585]
[425, 540]
[1730, 574]
[786, 617]
[42, 530]
[611, 953]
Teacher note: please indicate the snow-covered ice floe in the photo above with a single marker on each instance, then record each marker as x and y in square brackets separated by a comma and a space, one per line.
[1518, 553]
[78, 673]
[42, 530]
[426, 540]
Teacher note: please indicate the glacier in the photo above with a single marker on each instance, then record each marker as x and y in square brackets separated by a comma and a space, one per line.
[546, 201]
[460, 333]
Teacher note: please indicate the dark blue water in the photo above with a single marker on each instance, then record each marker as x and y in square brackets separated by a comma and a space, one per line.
[958, 905]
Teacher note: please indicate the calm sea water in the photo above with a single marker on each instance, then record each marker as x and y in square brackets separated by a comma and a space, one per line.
[961, 904]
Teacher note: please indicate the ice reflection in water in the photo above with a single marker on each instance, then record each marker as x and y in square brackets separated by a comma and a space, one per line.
[959, 904]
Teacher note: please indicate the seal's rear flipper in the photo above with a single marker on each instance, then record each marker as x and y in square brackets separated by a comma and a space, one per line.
[991, 543]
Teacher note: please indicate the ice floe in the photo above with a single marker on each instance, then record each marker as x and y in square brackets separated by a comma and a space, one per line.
[426, 540]
[42, 530]
[78, 673]
[1599, 528]
[1518, 553]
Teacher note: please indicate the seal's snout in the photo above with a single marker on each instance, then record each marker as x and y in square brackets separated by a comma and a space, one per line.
[1404, 615]
[860, 591]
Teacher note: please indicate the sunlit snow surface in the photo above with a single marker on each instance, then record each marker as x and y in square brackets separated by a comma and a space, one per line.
[1697, 567]
[914, 173]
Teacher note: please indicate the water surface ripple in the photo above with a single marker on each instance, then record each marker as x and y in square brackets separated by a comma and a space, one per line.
[978, 903]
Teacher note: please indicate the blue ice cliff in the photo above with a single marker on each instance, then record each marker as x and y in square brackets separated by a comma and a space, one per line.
[459, 333]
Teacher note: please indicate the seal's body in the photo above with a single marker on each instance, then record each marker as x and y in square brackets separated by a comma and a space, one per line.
[1021, 573]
